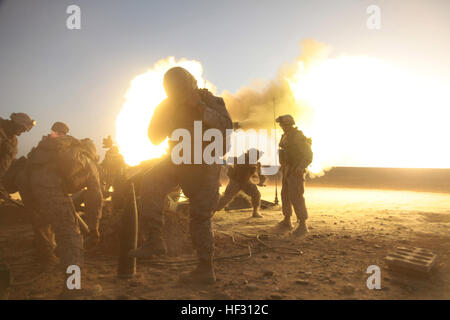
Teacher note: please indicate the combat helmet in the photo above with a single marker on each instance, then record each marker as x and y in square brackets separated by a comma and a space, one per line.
[285, 120]
[60, 127]
[177, 78]
[24, 120]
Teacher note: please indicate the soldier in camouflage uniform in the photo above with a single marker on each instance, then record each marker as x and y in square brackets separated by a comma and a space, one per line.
[92, 195]
[199, 182]
[9, 131]
[295, 155]
[113, 174]
[242, 176]
[50, 191]
[16, 179]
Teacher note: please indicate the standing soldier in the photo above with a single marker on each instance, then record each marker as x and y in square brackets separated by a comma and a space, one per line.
[61, 165]
[295, 156]
[9, 131]
[199, 182]
[244, 176]
[113, 173]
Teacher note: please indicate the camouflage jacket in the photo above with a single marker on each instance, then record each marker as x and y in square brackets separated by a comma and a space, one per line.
[8, 146]
[295, 149]
[112, 166]
[48, 157]
[44, 172]
[168, 117]
[243, 172]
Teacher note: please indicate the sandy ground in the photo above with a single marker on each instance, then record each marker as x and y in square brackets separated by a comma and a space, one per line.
[350, 229]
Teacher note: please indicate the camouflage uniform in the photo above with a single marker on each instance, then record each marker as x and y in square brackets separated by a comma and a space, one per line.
[113, 175]
[8, 146]
[56, 209]
[113, 166]
[54, 204]
[9, 130]
[199, 182]
[92, 196]
[240, 175]
[293, 171]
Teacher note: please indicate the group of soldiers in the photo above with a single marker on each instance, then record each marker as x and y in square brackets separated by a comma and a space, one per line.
[61, 166]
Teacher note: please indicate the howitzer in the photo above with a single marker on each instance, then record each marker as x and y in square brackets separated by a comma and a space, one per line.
[128, 237]
[129, 221]
[128, 233]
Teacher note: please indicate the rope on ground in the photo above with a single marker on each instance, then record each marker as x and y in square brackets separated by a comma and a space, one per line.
[277, 249]
[237, 257]
[228, 258]
[24, 282]
[251, 252]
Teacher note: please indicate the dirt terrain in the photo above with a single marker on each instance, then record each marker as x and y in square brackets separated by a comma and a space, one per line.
[350, 229]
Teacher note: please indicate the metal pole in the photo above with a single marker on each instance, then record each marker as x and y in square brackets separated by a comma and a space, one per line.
[128, 235]
[276, 162]
[136, 217]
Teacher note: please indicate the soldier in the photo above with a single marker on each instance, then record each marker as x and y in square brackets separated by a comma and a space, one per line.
[9, 131]
[58, 166]
[16, 180]
[199, 182]
[244, 177]
[113, 164]
[295, 155]
[113, 173]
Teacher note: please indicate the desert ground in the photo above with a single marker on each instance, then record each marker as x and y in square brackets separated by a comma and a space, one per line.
[350, 229]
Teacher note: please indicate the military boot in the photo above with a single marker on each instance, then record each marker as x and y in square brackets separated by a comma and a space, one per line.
[202, 275]
[256, 214]
[301, 229]
[153, 246]
[285, 224]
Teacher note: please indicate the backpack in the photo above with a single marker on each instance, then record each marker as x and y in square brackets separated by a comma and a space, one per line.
[72, 163]
[218, 104]
[296, 149]
[69, 158]
[306, 150]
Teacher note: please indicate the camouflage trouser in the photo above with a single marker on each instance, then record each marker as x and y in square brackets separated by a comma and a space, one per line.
[44, 238]
[56, 209]
[292, 191]
[232, 190]
[200, 183]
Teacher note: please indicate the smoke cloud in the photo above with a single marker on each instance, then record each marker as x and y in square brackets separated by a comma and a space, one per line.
[253, 106]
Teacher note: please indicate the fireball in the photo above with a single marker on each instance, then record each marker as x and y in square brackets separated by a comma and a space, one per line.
[361, 111]
[145, 93]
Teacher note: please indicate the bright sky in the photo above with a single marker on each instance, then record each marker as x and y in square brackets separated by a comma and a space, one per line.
[81, 76]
